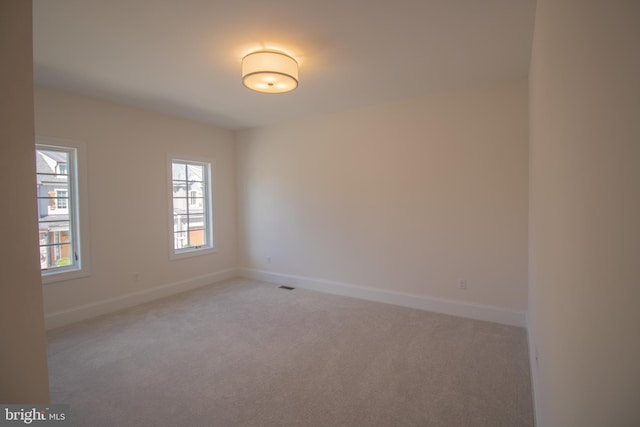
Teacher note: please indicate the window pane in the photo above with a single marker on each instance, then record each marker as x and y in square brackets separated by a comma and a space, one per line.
[52, 162]
[196, 204]
[56, 255]
[63, 255]
[56, 216]
[180, 240]
[180, 205]
[195, 219]
[196, 172]
[179, 223]
[197, 238]
[179, 171]
[179, 188]
[52, 191]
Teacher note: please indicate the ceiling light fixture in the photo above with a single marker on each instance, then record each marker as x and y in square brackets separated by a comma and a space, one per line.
[269, 72]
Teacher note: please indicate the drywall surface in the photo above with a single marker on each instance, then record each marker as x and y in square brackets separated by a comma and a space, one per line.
[126, 150]
[585, 205]
[23, 357]
[407, 197]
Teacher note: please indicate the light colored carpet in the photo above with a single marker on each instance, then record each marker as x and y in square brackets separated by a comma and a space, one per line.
[245, 353]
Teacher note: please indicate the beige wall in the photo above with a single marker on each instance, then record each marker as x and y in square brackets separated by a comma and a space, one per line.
[128, 195]
[23, 363]
[585, 215]
[405, 197]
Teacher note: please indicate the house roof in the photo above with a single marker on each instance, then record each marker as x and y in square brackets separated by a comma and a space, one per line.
[44, 162]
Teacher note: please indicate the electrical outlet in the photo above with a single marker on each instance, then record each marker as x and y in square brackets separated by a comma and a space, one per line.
[136, 276]
[269, 259]
[462, 284]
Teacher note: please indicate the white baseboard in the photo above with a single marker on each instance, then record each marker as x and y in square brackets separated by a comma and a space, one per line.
[533, 367]
[87, 311]
[439, 305]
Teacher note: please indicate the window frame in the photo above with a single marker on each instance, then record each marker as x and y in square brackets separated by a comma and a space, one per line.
[208, 201]
[77, 208]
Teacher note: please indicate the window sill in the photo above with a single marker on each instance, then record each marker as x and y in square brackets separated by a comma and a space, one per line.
[62, 276]
[189, 253]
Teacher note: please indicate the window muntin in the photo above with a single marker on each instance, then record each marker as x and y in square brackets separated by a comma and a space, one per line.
[57, 208]
[191, 206]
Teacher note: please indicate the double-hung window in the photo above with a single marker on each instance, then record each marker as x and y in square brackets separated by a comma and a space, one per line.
[60, 225]
[191, 207]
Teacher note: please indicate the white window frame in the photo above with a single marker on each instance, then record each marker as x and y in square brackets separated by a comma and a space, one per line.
[209, 202]
[77, 206]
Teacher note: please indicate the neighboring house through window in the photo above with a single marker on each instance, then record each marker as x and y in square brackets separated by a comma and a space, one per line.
[191, 207]
[59, 217]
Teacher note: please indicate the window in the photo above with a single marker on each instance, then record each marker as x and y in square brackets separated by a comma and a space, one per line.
[62, 197]
[191, 213]
[193, 198]
[59, 205]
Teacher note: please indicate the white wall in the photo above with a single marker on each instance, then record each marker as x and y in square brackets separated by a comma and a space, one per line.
[404, 197]
[23, 362]
[585, 213]
[128, 199]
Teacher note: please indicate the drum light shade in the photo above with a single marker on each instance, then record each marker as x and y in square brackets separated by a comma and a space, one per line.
[269, 72]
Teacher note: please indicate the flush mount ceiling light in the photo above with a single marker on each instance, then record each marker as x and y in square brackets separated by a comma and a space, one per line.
[269, 72]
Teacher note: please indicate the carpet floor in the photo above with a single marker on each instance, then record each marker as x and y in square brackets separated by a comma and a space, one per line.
[246, 353]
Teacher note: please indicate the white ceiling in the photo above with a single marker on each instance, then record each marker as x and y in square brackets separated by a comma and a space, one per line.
[183, 57]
